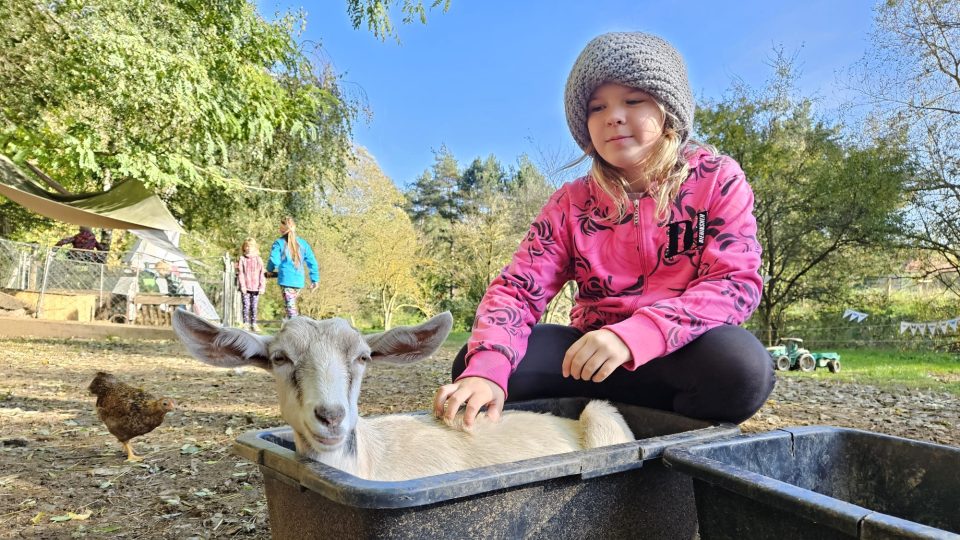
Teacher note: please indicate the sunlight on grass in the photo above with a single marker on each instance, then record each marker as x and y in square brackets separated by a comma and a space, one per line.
[884, 368]
[911, 369]
[456, 340]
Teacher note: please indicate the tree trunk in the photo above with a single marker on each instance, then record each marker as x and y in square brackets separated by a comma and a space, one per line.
[106, 235]
[769, 326]
[387, 304]
[766, 316]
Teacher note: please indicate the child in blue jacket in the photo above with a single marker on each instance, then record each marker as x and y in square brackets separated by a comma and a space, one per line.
[288, 256]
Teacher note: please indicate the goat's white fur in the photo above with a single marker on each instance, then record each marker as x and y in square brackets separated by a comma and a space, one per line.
[318, 366]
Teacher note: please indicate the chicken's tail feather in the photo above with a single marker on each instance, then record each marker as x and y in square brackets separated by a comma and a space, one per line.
[101, 383]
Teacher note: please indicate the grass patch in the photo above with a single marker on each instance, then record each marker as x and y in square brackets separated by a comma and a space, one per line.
[887, 368]
[883, 368]
[456, 340]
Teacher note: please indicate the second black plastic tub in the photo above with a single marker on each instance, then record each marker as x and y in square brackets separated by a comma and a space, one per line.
[620, 491]
[823, 482]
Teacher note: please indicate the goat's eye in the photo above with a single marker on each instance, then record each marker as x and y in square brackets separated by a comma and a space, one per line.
[363, 358]
[280, 359]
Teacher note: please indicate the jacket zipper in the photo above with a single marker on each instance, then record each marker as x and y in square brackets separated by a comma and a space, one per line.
[639, 231]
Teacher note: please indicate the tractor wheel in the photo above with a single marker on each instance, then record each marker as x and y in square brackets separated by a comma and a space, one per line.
[834, 366]
[782, 363]
[807, 363]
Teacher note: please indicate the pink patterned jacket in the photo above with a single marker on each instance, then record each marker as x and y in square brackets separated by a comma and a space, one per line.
[250, 274]
[657, 285]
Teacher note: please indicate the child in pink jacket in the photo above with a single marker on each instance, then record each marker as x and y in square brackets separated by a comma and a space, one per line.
[660, 238]
[252, 282]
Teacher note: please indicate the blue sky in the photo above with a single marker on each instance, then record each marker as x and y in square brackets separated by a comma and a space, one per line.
[487, 77]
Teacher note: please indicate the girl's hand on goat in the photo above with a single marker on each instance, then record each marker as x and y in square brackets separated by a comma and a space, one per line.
[474, 392]
[595, 356]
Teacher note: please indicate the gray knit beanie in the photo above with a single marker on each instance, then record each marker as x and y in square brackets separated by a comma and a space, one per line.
[632, 59]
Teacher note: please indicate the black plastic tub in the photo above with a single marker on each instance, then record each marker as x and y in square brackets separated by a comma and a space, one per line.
[823, 482]
[620, 491]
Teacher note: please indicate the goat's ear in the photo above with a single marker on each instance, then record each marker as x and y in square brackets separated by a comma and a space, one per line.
[410, 343]
[221, 347]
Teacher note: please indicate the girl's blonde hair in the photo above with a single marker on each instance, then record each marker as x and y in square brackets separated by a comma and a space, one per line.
[292, 246]
[666, 165]
[248, 243]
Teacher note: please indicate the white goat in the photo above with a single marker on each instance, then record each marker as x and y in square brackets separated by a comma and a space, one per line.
[318, 366]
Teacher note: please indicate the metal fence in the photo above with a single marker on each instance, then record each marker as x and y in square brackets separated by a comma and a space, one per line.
[941, 282]
[882, 333]
[73, 284]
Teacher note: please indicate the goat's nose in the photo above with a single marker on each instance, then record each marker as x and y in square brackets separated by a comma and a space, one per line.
[329, 416]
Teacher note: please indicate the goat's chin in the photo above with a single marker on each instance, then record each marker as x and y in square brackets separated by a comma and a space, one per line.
[321, 443]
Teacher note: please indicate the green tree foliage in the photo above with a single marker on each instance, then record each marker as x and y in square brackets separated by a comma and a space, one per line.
[376, 14]
[435, 193]
[366, 247]
[478, 183]
[470, 222]
[528, 190]
[823, 325]
[911, 78]
[365, 225]
[192, 98]
[483, 243]
[433, 206]
[819, 200]
[229, 119]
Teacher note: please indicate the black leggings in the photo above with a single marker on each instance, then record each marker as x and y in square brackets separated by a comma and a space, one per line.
[725, 375]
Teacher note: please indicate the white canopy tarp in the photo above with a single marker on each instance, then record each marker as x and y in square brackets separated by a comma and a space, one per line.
[148, 251]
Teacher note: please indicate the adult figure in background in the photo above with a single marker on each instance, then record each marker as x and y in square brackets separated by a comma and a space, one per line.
[291, 257]
[84, 240]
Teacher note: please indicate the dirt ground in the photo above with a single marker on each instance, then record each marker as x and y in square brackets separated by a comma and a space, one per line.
[62, 475]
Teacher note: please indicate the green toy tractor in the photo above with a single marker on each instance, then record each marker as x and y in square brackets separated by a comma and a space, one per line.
[791, 355]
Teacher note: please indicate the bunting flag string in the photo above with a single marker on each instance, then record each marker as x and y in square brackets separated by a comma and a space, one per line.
[931, 328]
[923, 328]
[852, 315]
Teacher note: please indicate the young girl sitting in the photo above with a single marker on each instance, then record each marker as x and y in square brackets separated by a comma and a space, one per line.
[660, 238]
[252, 281]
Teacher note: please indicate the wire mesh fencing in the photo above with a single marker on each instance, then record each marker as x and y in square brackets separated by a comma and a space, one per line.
[82, 285]
[884, 333]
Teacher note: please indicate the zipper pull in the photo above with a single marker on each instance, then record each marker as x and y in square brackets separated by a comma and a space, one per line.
[636, 213]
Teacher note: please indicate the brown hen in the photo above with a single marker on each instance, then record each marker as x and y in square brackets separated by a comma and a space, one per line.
[127, 411]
